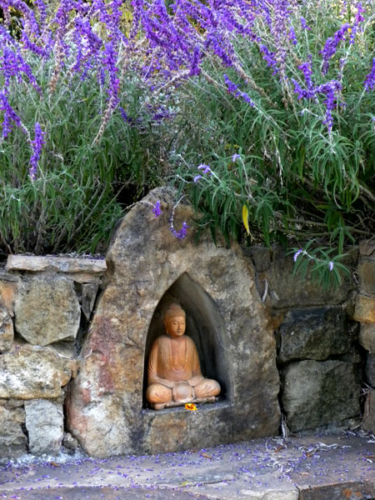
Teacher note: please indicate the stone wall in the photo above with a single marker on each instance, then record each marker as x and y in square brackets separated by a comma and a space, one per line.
[53, 327]
[318, 354]
[45, 306]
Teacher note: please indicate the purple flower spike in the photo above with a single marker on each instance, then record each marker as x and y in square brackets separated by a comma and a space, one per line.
[157, 210]
[206, 169]
[235, 157]
[304, 24]
[197, 177]
[369, 82]
[331, 265]
[297, 254]
[37, 145]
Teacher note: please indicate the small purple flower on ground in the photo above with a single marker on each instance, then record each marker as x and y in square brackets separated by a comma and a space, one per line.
[331, 265]
[235, 157]
[157, 210]
[197, 177]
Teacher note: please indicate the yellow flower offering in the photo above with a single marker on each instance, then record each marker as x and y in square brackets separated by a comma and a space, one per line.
[190, 406]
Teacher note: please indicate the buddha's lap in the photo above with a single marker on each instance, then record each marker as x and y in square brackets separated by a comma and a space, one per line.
[158, 393]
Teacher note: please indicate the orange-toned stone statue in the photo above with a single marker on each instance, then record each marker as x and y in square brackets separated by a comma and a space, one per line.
[174, 373]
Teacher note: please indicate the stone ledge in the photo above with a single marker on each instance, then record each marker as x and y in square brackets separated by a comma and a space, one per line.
[56, 264]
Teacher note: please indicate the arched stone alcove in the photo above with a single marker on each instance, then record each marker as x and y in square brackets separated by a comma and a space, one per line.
[204, 325]
[148, 267]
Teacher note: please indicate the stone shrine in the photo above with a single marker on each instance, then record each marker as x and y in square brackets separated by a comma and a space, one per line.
[148, 270]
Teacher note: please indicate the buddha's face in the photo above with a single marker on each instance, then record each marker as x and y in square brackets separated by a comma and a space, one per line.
[175, 326]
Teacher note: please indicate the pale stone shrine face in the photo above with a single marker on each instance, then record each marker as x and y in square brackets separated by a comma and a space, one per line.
[175, 326]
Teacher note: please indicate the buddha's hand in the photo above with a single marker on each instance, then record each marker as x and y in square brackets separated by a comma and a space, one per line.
[162, 381]
[197, 379]
[183, 392]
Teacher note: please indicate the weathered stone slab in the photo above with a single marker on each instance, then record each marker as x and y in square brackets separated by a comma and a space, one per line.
[47, 310]
[32, 373]
[286, 290]
[13, 442]
[316, 393]
[106, 409]
[6, 330]
[366, 273]
[56, 264]
[364, 309]
[8, 290]
[368, 422]
[45, 426]
[314, 334]
[367, 337]
[370, 369]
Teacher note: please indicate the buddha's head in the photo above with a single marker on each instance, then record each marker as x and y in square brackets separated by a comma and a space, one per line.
[175, 321]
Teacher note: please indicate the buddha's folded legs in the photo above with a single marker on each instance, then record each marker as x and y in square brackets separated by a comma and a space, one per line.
[207, 388]
[157, 393]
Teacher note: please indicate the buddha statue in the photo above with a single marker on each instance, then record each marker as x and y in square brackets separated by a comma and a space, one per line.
[174, 373]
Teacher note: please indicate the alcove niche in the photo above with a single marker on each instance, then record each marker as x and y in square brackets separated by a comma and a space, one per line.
[203, 324]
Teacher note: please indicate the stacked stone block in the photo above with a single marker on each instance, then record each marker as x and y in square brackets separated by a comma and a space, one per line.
[318, 356]
[365, 315]
[42, 300]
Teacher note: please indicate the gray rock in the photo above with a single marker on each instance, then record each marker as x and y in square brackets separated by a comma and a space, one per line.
[147, 269]
[317, 394]
[6, 330]
[56, 264]
[30, 373]
[370, 369]
[45, 426]
[70, 443]
[287, 290]
[368, 422]
[260, 256]
[314, 334]
[366, 273]
[47, 310]
[13, 442]
[367, 247]
[89, 293]
[367, 337]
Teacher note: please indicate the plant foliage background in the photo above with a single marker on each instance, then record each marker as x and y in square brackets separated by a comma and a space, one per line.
[260, 112]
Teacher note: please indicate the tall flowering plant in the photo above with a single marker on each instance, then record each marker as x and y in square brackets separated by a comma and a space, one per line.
[73, 151]
[278, 98]
[274, 98]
